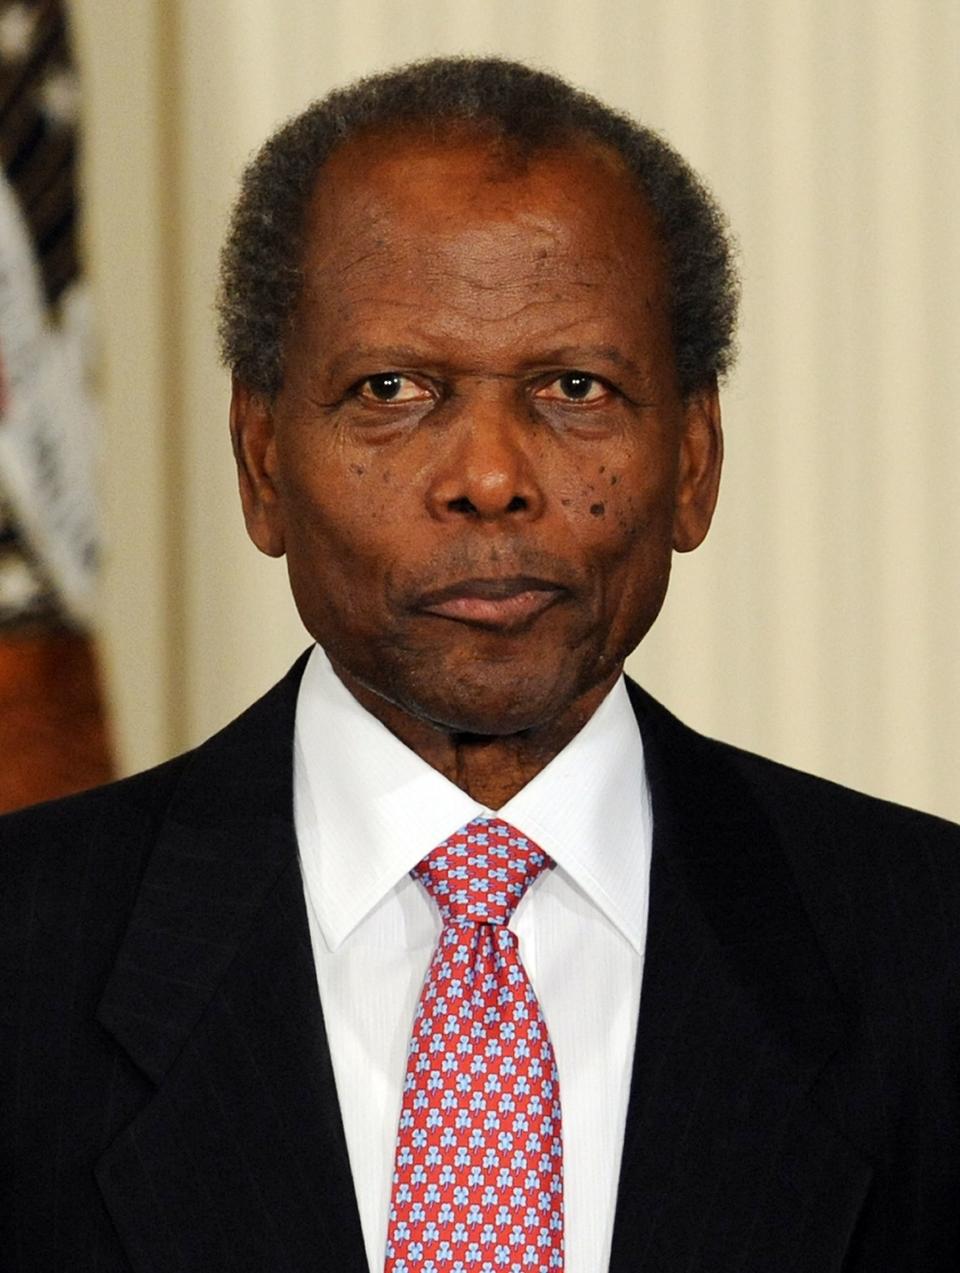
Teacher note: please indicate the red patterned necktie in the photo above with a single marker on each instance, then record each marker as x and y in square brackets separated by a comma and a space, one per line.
[478, 1182]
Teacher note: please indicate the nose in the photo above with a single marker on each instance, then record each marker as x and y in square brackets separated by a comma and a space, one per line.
[489, 470]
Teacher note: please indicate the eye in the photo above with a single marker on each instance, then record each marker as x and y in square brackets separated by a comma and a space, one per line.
[574, 386]
[391, 386]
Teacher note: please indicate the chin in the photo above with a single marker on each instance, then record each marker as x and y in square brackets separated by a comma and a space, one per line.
[490, 701]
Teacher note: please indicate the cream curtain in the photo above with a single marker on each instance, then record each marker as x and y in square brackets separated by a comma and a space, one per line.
[820, 622]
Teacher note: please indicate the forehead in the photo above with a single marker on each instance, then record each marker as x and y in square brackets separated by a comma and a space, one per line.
[385, 184]
[465, 229]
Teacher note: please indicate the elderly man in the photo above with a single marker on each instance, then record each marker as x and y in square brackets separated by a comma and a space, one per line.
[457, 951]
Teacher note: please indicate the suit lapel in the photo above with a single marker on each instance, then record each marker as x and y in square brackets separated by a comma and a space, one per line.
[728, 1163]
[239, 1160]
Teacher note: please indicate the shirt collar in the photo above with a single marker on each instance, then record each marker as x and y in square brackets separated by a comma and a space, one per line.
[367, 808]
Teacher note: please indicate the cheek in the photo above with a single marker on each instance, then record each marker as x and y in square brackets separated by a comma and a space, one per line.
[351, 533]
[622, 518]
[333, 503]
[617, 509]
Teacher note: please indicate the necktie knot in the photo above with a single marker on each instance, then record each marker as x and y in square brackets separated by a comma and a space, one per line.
[479, 874]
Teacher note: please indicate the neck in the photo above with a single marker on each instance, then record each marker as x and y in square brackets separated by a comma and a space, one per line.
[489, 768]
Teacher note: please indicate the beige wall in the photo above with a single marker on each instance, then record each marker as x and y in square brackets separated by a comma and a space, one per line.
[819, 624]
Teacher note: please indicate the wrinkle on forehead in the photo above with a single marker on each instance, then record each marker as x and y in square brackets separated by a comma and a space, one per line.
[544, 312]
[456, 246]
[481, 274]
[378, 191]
[415, 246]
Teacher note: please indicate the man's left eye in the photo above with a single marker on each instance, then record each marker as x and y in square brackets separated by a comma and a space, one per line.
[574, 386]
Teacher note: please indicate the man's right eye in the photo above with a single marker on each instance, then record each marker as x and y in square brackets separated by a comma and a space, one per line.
[391, 386]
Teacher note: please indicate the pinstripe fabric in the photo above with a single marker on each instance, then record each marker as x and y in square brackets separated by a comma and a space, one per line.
[794, 1102]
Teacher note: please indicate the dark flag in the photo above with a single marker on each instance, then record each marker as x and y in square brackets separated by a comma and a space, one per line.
[53, 738]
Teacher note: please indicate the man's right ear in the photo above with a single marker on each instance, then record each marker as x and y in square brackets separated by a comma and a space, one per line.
[255, 451]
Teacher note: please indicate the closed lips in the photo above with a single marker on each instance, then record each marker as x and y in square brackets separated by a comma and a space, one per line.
[495, 602]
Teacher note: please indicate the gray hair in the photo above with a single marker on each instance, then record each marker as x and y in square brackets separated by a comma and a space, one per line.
[261, 265]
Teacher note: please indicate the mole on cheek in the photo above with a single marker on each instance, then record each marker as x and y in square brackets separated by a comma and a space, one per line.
[614, 478]
[597, 510]
[358, 469]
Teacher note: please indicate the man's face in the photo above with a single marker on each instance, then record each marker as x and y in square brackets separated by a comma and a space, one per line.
[479, 463]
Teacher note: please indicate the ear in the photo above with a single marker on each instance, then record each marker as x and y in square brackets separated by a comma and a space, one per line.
[698, 478]
[255, 451]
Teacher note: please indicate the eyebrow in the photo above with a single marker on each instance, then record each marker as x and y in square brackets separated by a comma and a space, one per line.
[390, 357]
[386, 357]
[570, 355]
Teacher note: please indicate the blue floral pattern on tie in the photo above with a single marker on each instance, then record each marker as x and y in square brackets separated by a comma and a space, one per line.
[478, 1180]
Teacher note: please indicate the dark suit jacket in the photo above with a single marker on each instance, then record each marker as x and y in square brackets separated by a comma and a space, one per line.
[167, 1098]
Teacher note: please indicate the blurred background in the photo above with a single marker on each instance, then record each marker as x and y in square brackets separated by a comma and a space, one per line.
[819, 624]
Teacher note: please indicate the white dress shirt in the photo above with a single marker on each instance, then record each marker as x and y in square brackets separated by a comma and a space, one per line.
[367, 809]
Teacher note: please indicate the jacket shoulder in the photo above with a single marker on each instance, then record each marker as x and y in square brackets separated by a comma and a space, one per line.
[75, 865]
[84, 853]
[880, 882]
[795, 797]
[790, 796]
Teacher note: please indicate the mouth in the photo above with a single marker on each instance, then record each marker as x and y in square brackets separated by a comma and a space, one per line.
[503, 604]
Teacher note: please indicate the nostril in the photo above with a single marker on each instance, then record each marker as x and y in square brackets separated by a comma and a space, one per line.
[463, 504]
